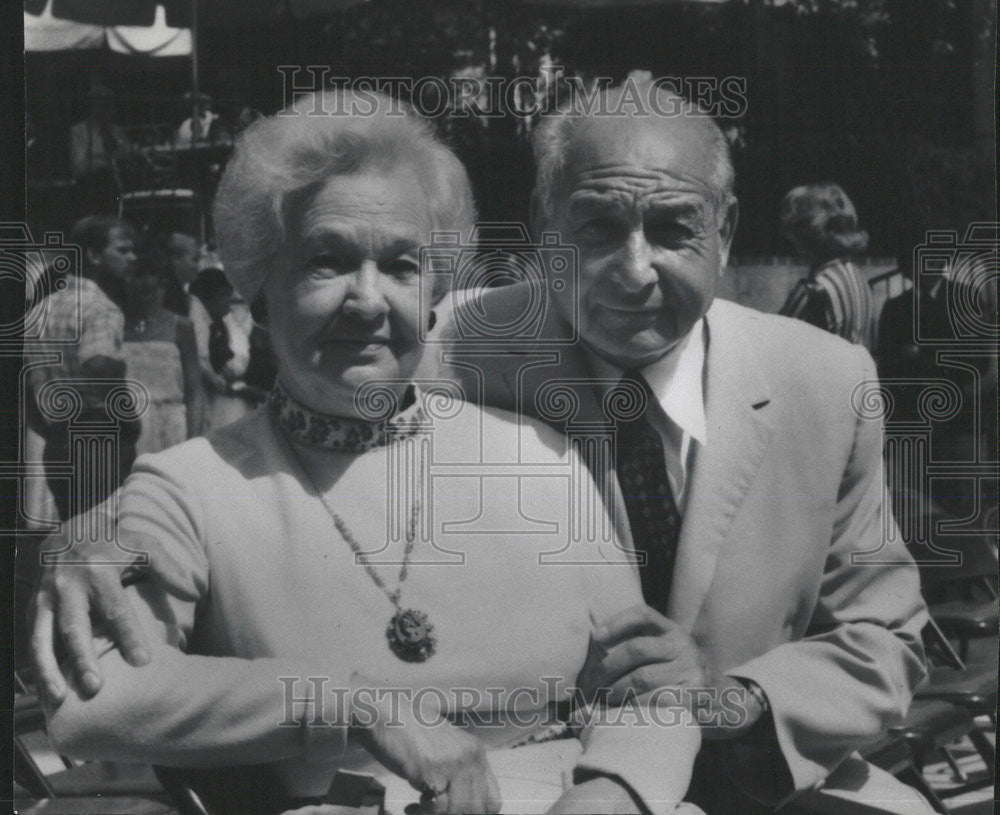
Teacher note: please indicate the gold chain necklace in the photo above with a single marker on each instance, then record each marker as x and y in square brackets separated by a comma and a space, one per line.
[409, 633]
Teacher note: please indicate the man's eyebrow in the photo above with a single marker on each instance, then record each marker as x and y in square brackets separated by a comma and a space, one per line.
[322, 229]
[401, 244]
[326, 235]
[591, 201]
[678, 209]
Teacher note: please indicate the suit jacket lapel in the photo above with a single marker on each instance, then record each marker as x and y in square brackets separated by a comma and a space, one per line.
[736, 398]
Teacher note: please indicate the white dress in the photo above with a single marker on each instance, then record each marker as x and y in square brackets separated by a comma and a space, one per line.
[253, 574]
[157, 365]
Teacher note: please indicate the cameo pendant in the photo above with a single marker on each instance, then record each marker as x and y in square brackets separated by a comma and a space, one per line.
[411, 636]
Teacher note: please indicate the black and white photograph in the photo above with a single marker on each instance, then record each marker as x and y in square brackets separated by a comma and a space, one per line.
[500, 406]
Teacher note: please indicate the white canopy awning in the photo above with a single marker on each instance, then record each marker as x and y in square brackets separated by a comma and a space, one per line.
[44, 32]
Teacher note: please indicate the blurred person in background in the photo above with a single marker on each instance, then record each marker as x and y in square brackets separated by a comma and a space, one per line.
[820, 221]
[915, 327]
[95, 143]
[77, 361]
[178, 254]
[85, 319]
[161, 353]
[223, 341]
[204, 124]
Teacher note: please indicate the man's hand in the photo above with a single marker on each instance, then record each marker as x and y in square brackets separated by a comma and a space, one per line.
[639, 651]
[60, 615]
[447, 764]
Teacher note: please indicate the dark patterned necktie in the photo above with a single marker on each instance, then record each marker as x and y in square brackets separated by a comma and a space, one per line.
[652, 512]
[219, 351]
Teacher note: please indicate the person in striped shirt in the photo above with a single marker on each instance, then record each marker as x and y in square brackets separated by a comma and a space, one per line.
[821, 223]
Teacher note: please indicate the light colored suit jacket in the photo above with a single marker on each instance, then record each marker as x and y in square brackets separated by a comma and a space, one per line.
[784, 572]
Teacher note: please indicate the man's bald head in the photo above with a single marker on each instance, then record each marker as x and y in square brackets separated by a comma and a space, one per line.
[567, 138]
[646, 201]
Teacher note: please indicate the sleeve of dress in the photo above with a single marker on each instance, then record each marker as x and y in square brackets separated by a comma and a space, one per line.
[184, 709]
[649, 743]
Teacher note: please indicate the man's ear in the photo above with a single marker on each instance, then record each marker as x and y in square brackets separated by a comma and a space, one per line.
[93, 257]
[726, 231]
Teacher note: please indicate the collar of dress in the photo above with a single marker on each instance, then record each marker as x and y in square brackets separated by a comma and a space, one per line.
[345, 435]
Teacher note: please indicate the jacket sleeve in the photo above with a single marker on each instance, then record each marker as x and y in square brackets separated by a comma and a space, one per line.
[180, 708]
[854, 673]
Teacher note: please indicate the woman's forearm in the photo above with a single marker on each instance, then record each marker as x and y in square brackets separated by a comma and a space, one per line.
[188, 710]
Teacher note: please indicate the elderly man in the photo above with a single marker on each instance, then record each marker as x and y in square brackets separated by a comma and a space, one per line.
[749, 484]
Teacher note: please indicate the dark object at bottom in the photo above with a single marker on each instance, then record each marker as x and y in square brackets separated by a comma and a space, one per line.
[240, 790]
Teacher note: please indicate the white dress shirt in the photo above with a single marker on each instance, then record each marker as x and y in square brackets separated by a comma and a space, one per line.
[677, 381]
[238, 324]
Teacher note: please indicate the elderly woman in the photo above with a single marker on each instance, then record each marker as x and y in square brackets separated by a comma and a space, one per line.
[820, 221]
[368, 575]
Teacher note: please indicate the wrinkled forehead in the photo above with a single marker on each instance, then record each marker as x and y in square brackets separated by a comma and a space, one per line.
[675, 150]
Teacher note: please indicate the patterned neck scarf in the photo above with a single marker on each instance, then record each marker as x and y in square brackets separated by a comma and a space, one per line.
[341, 434]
